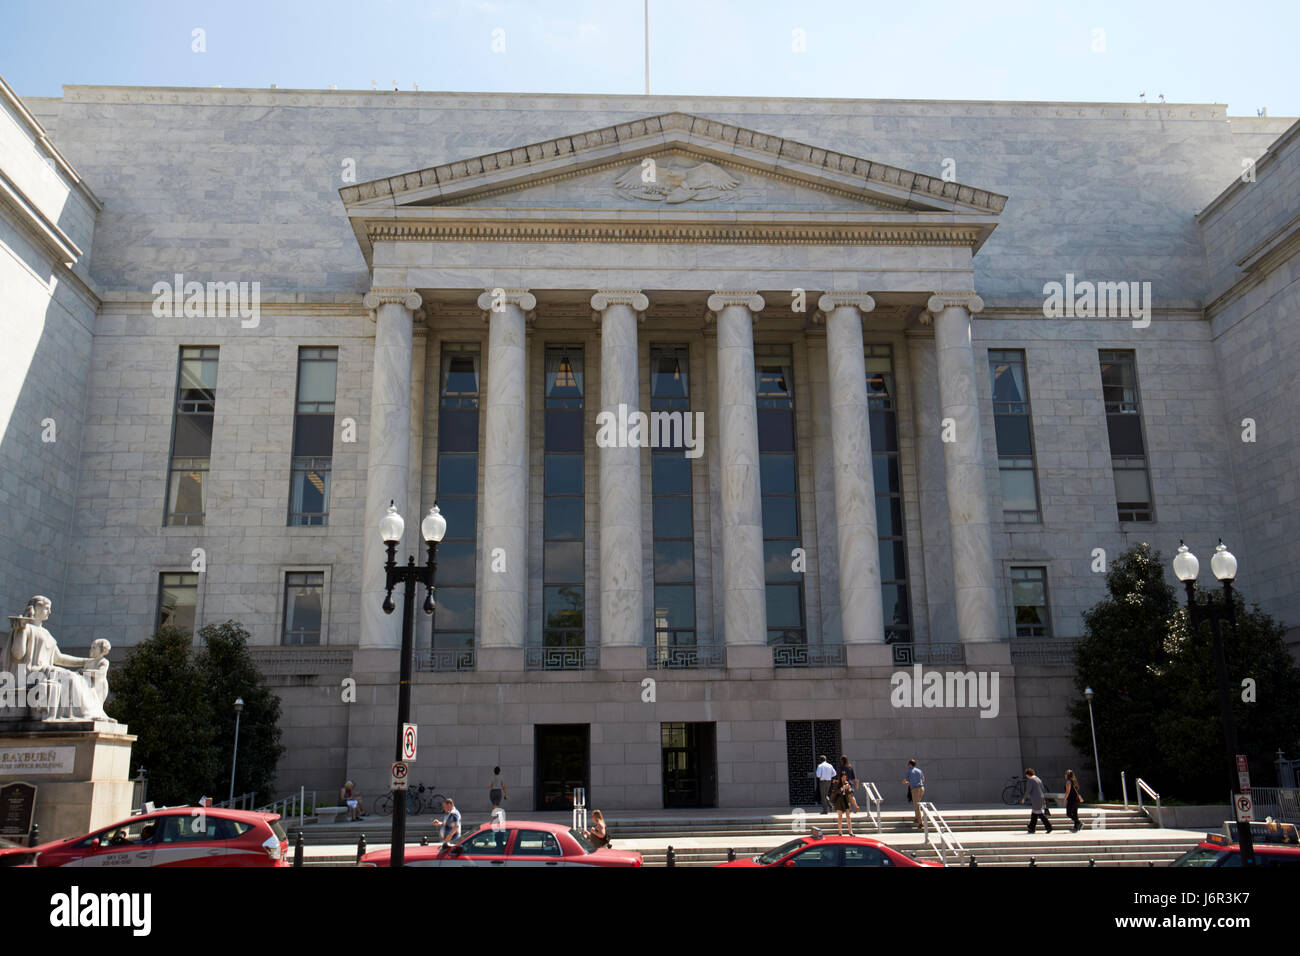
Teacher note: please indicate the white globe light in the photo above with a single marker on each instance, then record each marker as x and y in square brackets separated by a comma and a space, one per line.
[434, 525]
[1186, 567]
[391, 525]
[1223, 564]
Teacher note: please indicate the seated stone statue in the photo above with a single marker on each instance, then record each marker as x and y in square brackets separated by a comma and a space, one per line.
[31, 648]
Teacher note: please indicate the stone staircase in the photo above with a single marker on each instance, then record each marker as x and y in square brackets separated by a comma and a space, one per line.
[1112, 836]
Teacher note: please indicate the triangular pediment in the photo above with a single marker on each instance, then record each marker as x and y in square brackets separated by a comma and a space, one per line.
[650, 173]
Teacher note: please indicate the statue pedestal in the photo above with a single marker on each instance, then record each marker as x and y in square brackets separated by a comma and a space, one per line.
[79, 767]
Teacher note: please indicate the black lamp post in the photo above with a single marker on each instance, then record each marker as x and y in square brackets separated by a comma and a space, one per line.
[433, 527]
[1224, 566]
[234, 756]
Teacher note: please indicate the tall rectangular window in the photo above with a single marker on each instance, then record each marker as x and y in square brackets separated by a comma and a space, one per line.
[1128, 458]
[313, 437]
[196, 404]
[894, 601]
[779, 484]
[564, 528]
[453, 621]
[303, 601]
[1029, 598]
[1013, 425]
[178, 598]
[670, 488]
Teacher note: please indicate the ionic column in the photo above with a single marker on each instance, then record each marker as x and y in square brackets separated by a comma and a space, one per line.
[621, 592]
[862, 621]
[743, 586]
[505, 470]
[963, 458]
[389, 458]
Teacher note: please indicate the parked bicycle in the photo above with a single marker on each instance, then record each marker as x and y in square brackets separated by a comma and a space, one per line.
[1013, 791]
[416, 801]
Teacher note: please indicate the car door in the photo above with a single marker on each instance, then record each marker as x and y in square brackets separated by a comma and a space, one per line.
[487, 847]
[535, 848]
[183, 840]
[122, 845]
[816, 854]
[865, 856]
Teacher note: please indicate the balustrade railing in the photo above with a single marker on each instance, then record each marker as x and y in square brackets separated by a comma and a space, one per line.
[445, 659]
[807, 655]
[561, 658]
[686, 656]
[907, 654]
[1043, 652]
[281, 661]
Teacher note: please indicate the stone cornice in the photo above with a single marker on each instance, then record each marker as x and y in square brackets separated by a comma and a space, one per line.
[730, 232]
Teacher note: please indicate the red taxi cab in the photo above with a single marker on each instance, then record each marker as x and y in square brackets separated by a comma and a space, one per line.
[1276, 844]
[818, 849]
[514, 844]
[176, 836]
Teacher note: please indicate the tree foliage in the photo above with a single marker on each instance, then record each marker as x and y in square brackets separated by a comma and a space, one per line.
[178, 699]
[1157, 705]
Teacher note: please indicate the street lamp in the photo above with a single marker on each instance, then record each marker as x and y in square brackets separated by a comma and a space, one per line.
[1224, 566]
[432, 528]
[239, 708]
[1096, 762]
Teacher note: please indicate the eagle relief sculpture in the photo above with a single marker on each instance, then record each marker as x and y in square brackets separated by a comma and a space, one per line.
[656, 182]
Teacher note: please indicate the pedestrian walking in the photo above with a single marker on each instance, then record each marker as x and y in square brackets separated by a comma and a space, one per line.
[1036, 794]
[497, 789]
[915, 781]
[842, 790]
[846, 768]
[825, 773]
[1073, 797]
[450, 823]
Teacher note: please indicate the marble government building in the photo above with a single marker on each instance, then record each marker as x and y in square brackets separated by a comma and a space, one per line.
[869, 442]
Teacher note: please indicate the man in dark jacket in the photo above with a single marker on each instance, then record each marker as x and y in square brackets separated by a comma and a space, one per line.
[1036, 794]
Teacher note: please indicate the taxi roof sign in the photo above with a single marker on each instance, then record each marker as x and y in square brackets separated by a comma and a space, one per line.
[1278, 834]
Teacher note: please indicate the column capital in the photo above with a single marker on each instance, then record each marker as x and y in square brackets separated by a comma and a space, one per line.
[408, 298]
[945, 300]
[862, 301]
[749, 299]
[495, 300]
[604, 298]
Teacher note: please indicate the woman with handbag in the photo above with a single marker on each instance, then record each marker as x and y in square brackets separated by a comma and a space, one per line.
[840, 791]
[1072, 799]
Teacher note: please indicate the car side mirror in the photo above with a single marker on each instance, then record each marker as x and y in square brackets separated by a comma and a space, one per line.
[457, 849]
[788, 863]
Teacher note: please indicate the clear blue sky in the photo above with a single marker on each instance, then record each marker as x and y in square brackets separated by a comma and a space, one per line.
[1242, 54]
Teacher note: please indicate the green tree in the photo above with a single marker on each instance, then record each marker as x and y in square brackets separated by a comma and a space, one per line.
[1190, 733]
[178, 699]
[160, 692]
[1121, 657]
[1156, 683]
[230, 673]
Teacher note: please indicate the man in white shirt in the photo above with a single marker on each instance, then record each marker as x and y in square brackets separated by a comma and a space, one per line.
[824, 774]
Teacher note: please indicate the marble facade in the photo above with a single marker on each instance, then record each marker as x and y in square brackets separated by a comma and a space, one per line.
[536, 225]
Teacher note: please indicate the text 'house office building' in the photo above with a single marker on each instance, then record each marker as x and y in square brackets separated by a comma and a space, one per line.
[735, 408]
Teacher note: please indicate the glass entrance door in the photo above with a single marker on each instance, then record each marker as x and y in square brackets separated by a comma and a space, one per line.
[690, 764]
[562, 757]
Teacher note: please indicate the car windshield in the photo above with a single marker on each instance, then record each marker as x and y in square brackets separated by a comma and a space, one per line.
[1201, 856]
[583, 841]
[771, 856]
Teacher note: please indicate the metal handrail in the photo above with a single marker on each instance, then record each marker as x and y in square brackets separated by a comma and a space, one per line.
[242, 802]
[1144, 787]
[874, 799]
[294, 805]
[930, 814]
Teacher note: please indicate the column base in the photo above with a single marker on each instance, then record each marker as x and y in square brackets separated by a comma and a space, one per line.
[988, 654]
[749, 657]
[868, 655]
[499, 659]
[623, 657]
